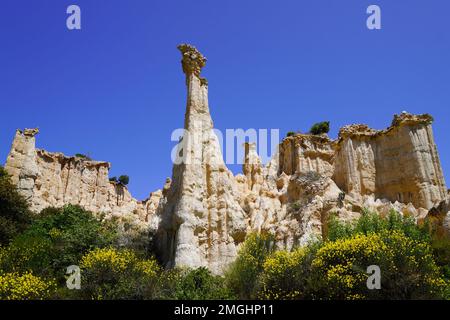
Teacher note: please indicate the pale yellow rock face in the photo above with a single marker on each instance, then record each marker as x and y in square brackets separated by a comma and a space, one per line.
[304, 153]
[202, 221]
[53, 180]
[22, 162]
[204, 213]
[400, 163]
[442, 214]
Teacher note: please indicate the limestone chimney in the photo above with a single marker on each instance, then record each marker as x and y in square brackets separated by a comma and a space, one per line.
[21, 163]
[202, 222]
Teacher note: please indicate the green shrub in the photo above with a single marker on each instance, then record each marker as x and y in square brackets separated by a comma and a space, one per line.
[200, 284]
[242, 276]
[73, 232]
[27, 254]
[57, 239]
[286, 275]
[408, 270]
[83, 156]
[114, 179]
[320, 128]
[337, 268]
[110, 274]
[296, 205]
[290, 134]
[14, 286]
[372, 222]
[441, 252]
[439, 241]
[337, 229]
[15, 215]
[124, 180]
[423, 244]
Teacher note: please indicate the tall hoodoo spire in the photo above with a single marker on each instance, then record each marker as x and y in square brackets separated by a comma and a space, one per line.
[202, 221]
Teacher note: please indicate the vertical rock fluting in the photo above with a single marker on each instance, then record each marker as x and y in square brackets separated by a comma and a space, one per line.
[302, 153]
[202, 222]
[355, 167]
[290, 207]
[400, 163]
[22, 162]
[49, 179]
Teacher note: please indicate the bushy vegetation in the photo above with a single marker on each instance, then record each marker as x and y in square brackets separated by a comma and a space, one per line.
[337, 267]
[286, 275]
[440, 242]
[372, 222]
[242, 276]
[33, 265]
[14, 213]
[200, 284]
[317, 129]
[56, 239]
[413, 259]
[320, 128]
[122, 180]
[14, 286]
[408, 270]
[110, 274]
[83, 156]
[290, 134]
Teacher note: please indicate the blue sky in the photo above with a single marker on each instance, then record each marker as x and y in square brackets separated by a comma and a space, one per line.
[115, 90]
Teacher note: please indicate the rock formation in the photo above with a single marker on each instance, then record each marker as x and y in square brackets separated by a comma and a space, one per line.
[202, 221]
[22, 162]
[53, 180]
[303, 153]
[203, 214]
[400, 163]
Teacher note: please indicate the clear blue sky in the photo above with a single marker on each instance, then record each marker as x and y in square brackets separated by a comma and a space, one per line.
[115, 90]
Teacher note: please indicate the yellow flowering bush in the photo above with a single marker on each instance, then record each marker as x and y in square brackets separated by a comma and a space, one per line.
[341, 265]
[108, 258]
[55, 234]
[339, 269]
[118, 261]
[284, 274]
[242, 275]
[149, 268]
[407, 268]
[25, 255]
[2, 259]
[56, 239]
[109, 273]
[14, 286]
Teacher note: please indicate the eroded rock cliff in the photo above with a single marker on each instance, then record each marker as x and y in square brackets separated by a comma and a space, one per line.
[53, 180]
[400, 163]
[303, 153]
